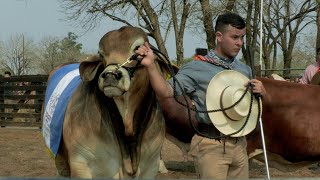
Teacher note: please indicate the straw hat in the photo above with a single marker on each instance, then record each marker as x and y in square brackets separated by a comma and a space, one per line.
[316, 79]
[224, 89]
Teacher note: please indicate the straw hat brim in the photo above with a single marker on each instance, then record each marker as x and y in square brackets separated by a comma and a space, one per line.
[225, 125]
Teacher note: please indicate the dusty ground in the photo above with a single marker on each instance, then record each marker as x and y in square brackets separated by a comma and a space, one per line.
[23, 154]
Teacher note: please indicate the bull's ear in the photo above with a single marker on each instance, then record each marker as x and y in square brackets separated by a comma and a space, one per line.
[89, 68]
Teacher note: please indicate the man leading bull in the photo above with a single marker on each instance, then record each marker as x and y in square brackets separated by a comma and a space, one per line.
[215, 158]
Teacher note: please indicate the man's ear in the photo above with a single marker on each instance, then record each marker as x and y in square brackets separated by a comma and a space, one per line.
[89, 68]
[218, 36]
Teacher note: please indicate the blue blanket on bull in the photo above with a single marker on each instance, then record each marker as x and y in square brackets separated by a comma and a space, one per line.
[60, 88]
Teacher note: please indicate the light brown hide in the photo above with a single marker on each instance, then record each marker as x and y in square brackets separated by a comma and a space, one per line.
[113, 125]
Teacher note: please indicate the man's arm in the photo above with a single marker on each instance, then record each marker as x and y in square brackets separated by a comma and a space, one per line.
[161, 87]
[307, 75]
[175, 115]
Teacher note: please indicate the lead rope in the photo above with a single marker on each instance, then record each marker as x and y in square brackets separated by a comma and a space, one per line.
[175, 81]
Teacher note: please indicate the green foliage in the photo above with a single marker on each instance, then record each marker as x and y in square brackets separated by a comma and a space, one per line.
[70, 43]
[69, 47]
[55, 51]
[185, 60]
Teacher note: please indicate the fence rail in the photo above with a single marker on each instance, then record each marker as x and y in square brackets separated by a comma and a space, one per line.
[21, 99]
[294, 72]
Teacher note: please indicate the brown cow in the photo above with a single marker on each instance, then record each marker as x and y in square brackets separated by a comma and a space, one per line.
[291, 122]
[113, 127]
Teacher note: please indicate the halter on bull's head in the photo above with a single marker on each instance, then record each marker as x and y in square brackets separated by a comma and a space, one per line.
[119, 77]
[115, 50]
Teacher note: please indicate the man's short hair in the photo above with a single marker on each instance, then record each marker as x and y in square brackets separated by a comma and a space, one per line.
[7, 72]
[229, 18]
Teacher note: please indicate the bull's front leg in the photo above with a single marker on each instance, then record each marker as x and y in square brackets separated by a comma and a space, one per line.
[61, 162]
[152, 143]
[80, 168]
[96, 159]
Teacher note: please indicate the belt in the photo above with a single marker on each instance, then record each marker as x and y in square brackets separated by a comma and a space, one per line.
[213, 133]
[209, 130]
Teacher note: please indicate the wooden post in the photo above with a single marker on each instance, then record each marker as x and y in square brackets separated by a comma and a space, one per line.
[1, 101]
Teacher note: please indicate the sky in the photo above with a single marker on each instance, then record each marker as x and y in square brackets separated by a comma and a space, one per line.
[40, 18]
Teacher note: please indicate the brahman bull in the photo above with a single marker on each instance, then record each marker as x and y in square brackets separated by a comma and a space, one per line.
[291, 121]
[113, 126]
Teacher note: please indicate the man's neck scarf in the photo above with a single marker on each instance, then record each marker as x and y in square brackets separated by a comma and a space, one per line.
[212, 58]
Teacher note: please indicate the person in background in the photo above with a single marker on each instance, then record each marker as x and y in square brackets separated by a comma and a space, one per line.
[7, 74]
[211, 161]
[311, 70]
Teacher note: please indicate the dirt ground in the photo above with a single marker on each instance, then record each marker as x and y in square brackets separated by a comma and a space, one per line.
[23, 154]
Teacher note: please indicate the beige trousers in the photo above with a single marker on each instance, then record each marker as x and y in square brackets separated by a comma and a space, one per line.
[212, 162]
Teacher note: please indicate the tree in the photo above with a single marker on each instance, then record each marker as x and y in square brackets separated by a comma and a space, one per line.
[18, 54]
[50, 54]
[252, 31]
[55, 51]
[282, 21]
[157, 18]
[285, 20]
[69, 47]
[207, 23]
[179, 30]
[318, 24]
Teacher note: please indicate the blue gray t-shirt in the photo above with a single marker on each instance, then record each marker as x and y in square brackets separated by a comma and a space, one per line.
[195, 77]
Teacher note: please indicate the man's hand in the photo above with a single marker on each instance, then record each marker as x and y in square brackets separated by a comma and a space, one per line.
[257, 87]
[145, 53]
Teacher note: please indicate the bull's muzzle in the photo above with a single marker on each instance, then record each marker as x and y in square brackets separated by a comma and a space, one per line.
[112, 75]
[114, 81]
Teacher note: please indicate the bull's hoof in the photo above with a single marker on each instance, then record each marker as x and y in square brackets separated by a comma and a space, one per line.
[162, 168]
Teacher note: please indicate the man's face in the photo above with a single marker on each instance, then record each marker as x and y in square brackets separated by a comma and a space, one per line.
[231, 41]
[6, 75]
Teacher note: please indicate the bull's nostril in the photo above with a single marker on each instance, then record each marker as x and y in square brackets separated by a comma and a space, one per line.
[103, 75]
[111, 75]
[118, 75]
